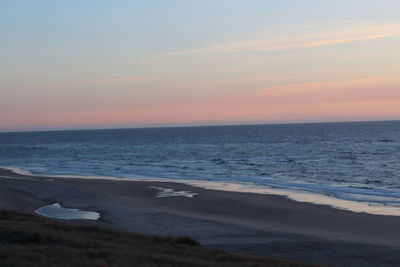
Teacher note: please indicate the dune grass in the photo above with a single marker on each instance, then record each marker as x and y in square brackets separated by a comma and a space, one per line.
[30, 240]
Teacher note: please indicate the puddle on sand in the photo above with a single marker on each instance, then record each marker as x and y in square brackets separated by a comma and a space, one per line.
[169, 192]
[58, 212]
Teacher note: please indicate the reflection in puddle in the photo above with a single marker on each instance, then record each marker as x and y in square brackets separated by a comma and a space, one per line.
[56, 211]
[169, 192]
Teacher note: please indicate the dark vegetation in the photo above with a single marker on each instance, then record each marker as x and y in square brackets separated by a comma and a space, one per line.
[30, 240]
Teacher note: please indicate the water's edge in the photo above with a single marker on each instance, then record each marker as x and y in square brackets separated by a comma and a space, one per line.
[296, 195]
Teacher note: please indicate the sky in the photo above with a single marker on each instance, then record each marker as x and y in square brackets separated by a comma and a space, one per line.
[77, 64]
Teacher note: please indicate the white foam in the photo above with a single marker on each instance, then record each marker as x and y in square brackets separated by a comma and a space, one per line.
[16, 170]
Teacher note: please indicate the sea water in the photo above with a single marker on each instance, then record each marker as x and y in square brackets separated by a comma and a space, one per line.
[358, 161]
[57, 211]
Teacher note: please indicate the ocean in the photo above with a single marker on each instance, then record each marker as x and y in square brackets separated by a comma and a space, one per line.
[357, 161]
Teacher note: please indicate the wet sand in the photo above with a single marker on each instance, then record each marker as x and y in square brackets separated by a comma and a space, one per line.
[243, 222]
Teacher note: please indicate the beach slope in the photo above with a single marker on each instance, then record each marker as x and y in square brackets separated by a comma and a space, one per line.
[29, 240]
[258, 224]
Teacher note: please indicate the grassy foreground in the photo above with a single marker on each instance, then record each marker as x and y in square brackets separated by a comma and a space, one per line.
[30, 240]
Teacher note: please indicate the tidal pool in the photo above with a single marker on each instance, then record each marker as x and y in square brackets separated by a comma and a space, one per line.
[58, 212]
[169, 192]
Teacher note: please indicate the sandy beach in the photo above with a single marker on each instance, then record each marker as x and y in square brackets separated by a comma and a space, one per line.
[251, 223]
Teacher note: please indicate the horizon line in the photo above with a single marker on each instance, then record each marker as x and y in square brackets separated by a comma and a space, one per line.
[194, 126]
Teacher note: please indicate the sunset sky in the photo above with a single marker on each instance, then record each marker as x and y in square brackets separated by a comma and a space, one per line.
[75, 64]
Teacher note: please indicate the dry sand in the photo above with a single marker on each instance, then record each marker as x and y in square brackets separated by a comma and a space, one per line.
[242, 222]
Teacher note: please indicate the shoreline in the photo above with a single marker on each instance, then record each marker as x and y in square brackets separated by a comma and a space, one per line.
[292, 194]
[261, 224]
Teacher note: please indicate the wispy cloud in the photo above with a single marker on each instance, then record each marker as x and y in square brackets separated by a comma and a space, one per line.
[316, 39]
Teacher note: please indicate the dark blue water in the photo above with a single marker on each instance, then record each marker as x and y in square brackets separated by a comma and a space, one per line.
[355, 161]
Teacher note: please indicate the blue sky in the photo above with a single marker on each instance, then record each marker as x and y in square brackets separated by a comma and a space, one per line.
[62, 61]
